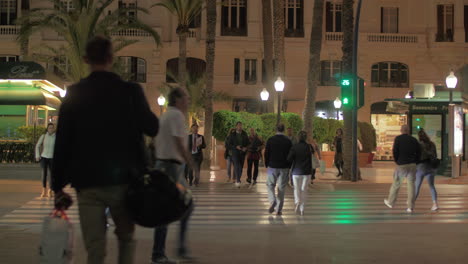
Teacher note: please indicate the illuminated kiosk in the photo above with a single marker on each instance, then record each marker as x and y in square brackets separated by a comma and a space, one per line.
[26, 98]
[432, 114]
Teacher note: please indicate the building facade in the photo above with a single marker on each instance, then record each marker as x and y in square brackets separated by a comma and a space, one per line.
[401, 42]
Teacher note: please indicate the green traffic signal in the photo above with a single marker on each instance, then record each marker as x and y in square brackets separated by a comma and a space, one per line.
[345, 101]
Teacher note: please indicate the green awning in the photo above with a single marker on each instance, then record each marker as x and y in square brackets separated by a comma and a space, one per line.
[17, 93]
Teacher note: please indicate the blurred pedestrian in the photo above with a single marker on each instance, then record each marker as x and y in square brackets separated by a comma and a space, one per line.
[44, 155]
[300, 156]
[173, 156]
[338, 145]
[196, 144]
[228, 157]
[290, 134]
[426, 167]
[97, 155]
[238, 142]
[315, 159]
[253, 156]
[406, 153]
[276, 160]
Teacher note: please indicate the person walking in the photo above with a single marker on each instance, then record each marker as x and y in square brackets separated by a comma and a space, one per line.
[196, 144]
[97, 154]
[300, 156]
[315, 159]
[406, 153]
[338, 144]
[276, 160]
[253, 156]
[44, 155]
[238, 142]
[172, 154]
[426, 168]
[228, 157]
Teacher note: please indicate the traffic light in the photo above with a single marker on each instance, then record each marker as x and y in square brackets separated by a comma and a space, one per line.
[347, 91]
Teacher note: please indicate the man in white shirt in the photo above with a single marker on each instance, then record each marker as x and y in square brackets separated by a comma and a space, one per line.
[172, 156]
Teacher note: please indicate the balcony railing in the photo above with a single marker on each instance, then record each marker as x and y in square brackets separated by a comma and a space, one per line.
[334, 36]
[9, 30]
[131, 33]
[392, 38]
[193, 33]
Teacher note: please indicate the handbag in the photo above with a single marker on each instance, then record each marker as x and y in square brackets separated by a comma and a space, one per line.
[56, 244]
[154, 199]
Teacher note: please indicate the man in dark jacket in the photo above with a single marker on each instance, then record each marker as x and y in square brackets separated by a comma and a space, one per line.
[238, 142]
[406, 153]
[101, 123]
[196, 144]
[276, 160]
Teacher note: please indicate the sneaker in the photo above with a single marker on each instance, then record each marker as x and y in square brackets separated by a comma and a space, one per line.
[164, 260]
[254, 183]
[279, 213]
[434, 207]
[409, 210]
[238, 184]
[272, 208]
[249, 181]
[387, 203]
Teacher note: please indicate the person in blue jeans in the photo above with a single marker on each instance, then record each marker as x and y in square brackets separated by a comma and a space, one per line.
[238, 142]
[425, 169]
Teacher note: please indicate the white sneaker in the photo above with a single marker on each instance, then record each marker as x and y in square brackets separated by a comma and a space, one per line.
[238, 185]
[434, 207]
[409, 210]
[387, 203]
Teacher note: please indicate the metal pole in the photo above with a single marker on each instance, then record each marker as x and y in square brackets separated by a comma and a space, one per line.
[451, 97]
[337, 114]
[278, 118]
[354, 165]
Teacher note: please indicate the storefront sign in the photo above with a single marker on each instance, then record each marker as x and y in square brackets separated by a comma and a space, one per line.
[21, 70]
[428, 108]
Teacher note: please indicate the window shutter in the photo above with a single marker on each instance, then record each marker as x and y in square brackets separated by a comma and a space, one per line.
[397, 20]
[440, 22]
[381, 20]
[328, 18]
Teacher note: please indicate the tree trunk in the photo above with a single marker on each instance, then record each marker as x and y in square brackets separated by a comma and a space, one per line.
[182, 76]
[210, 61]
[314, 66]
[268, 50]
[348, 28]
[279, 26]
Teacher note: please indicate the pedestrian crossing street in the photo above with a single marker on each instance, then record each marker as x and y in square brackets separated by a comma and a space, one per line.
[222, 205]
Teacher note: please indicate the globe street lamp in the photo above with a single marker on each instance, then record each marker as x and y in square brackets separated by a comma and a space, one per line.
[451, 82]
[279, 87]
[161, 102]
[337, 104]
[264, 95]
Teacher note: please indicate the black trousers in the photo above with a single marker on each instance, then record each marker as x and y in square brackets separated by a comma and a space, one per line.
[252, 163]
[46, 165]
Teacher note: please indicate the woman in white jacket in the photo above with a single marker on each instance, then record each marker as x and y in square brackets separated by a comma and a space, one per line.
[45, 154]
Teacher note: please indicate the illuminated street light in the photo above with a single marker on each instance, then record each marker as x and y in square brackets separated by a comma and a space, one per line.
[279, 87]
[451, 82]
[265, 95]
[337, 104]
[161, 102]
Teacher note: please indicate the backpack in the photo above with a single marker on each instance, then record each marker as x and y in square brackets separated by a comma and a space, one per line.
[154, 199]
[57, 239]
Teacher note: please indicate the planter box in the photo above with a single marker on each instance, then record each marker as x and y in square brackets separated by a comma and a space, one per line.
[328, 157]
[364, 159]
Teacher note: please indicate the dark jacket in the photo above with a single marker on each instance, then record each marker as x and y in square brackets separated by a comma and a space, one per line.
[300, 156]
[254, 148]
[99, 134]
[406, 150]
[199, 148]
[232, 144]
[276, 152]
[428, 152]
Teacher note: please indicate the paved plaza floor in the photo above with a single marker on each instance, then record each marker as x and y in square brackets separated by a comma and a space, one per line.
[343, 223]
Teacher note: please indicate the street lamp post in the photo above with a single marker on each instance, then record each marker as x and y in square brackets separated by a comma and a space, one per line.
[161, 102]
[337, 104]
[264, 95]
[279, 87]
[451, 82]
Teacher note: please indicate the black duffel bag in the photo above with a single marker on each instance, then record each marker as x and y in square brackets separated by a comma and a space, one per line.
[154, 199]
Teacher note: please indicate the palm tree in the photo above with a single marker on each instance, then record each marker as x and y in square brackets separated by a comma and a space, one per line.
[186, 11]
[268, 48]
[348, 28]
[76, 27]
[279, 30]
[210, 61]
[314, 65]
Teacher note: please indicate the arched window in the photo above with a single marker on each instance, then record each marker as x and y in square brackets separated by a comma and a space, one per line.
[390, 74]
[133, 69]
[330, 73]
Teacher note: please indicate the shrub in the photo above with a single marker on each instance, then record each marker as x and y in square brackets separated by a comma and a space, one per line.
[223, 121]
[269, 125]
[367, 136]
[294, 121]
[27, 132]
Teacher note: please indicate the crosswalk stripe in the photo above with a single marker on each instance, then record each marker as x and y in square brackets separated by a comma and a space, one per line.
[221, 205]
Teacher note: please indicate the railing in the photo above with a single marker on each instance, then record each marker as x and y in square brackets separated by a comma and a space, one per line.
[193, 33]
[334, 36]
[9, 30]
[392, 38]
[132, 33]
[15, 152]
